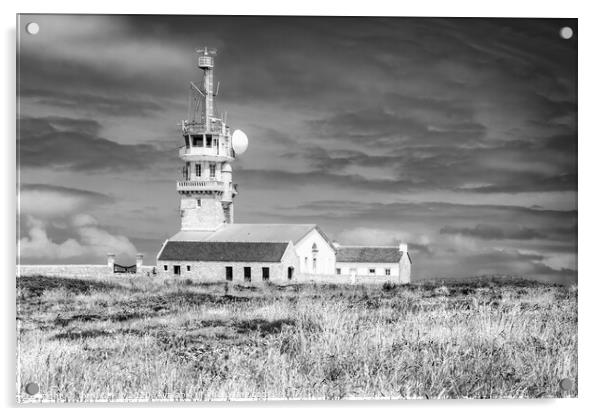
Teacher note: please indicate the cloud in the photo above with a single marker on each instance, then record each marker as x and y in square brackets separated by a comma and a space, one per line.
[55, 226]
[490, 232]
[114, 105]
[90, 244]
[370, 236]
[75, 144]
[51, 201]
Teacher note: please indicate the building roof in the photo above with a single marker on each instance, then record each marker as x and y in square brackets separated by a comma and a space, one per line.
[359, 254]
[266, 233]
[222, 251]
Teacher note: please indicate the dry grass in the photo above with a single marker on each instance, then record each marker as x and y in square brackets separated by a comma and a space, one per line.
[140, 339]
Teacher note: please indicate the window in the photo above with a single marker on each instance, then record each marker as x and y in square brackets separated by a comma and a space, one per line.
[176, 270]
[265, 273]
[314, 264]
[165, 267]
[209, 140]
[186, 171]
[197, 141]
[291, 270]
[388, 272]
[198, 170]
[199, 202]
[188, 268]
[247, 273]
[229, 273]
[212, 170]
[338, 271]
[371, 271]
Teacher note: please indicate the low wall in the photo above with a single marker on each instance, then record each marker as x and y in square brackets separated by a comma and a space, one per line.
[103, 271]
[347, 279]
[77, 270]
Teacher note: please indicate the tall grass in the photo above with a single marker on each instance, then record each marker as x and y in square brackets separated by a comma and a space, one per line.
[143, 339]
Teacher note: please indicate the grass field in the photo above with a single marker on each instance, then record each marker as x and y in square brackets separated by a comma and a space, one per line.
[140, 339]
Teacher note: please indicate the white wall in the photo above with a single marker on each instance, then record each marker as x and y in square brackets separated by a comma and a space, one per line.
[363, 269]
[325, 258]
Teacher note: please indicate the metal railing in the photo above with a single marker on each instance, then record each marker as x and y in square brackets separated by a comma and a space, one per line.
[216, 126]
[200, 185]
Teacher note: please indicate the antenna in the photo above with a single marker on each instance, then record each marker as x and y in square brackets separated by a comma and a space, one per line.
[207, 51]
[197, 88]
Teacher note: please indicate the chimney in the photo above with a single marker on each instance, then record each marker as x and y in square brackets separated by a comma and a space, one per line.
[139, 258]
[403, 247]
[110, 261]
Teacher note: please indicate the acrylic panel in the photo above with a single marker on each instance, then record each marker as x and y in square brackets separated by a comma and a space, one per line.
[287, 207]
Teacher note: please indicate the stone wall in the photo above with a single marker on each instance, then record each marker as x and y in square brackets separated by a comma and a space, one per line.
[78, 270]
[215, 271]
[208, 216]
[347, 279]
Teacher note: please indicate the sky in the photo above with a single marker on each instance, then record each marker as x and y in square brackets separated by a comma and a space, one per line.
[457, 136]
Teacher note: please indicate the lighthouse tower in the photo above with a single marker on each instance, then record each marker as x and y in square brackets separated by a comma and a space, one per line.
[206, 189]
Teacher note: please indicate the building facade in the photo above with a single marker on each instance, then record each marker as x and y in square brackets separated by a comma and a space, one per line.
[390, 262]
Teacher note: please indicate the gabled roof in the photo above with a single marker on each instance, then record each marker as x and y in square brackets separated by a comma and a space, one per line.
[222, 251]
[268, 233]
[262, 232]
[360, 254]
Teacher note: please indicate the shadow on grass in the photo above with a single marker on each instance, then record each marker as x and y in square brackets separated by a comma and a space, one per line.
[37, 285]
[87, 334]
[262, 326]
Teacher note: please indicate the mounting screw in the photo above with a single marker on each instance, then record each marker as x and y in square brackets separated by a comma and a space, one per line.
[32, 28]
[566, 32]
[566, 384]
[32, 388]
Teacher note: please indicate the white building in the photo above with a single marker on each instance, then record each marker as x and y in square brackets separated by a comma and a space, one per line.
[210, 246]
[391, 262]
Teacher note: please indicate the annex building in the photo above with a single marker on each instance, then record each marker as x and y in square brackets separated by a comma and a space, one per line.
[212, 247]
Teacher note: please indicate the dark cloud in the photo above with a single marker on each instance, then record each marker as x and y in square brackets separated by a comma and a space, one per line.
[91, 196]
[281, 179]
[111, 105]
[74, 144]
[437, 212]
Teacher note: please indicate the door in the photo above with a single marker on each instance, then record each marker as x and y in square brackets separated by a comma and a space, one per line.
[247, 272]
[176, 270]
[290, 273]
[229, 273]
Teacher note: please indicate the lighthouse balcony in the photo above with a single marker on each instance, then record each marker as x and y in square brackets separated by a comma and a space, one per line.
[216, 126]
[200, 186]
[215, 153]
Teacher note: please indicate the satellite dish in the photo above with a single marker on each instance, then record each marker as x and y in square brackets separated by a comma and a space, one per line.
[240, 142]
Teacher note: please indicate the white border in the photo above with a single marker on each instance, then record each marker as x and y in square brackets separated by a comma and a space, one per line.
[590, 289]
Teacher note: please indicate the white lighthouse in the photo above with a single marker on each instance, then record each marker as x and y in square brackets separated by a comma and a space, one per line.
[211, 247]
[206, 189]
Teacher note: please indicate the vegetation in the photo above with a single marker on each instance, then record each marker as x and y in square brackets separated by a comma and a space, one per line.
[142, 338]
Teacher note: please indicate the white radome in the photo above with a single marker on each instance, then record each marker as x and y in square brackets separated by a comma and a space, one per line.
[240, 142]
